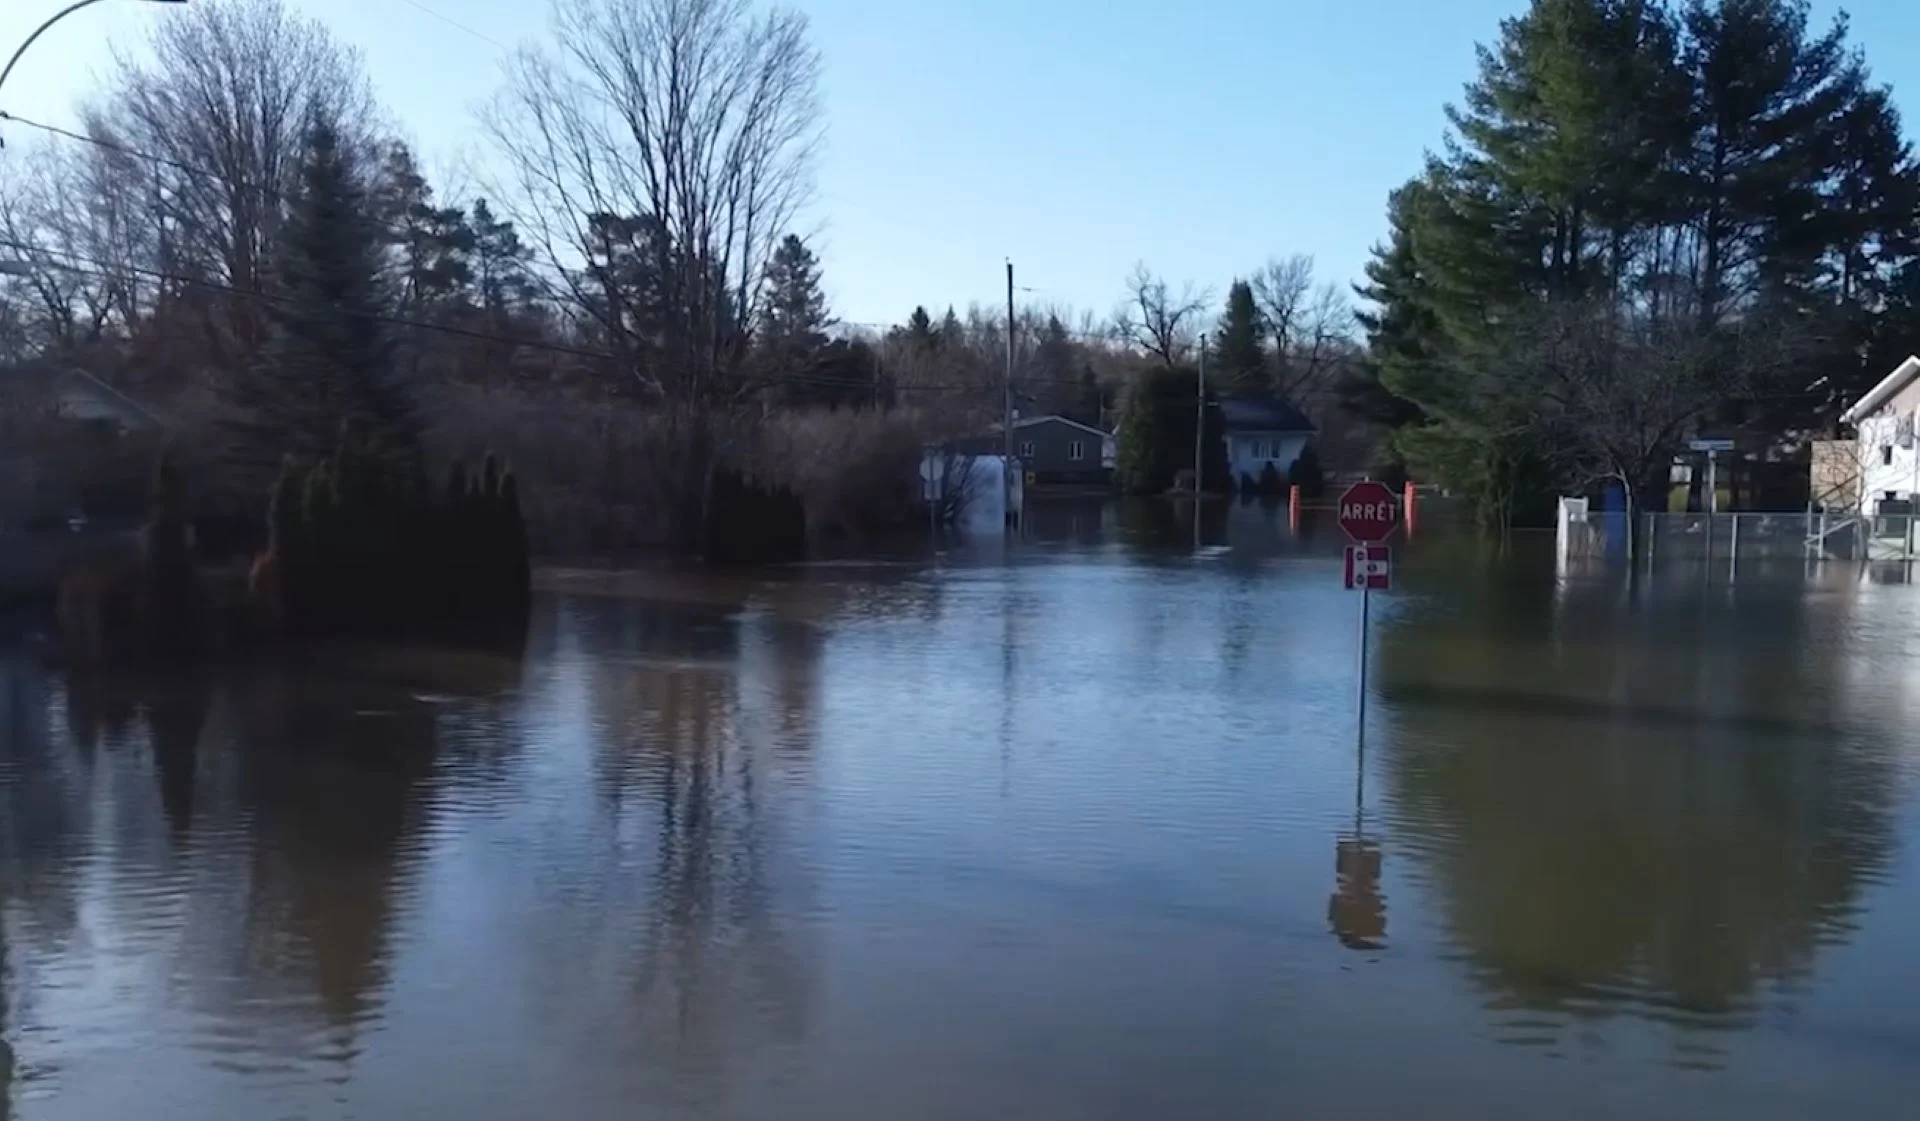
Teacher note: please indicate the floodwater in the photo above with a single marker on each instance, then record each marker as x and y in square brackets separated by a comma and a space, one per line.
[1078, 830]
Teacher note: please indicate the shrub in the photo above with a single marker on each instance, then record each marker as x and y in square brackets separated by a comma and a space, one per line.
[172, 619]
[366, 547]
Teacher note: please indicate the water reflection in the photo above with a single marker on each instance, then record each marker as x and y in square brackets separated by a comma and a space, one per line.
[1082, 833]
[1660, 811]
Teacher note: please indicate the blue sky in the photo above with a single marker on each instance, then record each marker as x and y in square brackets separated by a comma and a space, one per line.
[1073, 136]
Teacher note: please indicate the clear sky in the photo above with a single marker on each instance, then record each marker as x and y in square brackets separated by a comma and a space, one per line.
[1073, 136]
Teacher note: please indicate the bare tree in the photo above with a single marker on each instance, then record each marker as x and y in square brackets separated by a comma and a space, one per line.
[1312, 325]
[656, 153]
[669, 143]
[1157, 320]
[216, 108]
[1615, 396]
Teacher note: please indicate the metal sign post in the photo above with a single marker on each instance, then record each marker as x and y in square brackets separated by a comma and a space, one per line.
[1368, 515]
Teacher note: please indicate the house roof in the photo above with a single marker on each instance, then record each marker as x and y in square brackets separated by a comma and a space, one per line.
[74, 394]
[1029, 421]
[1262, 414]
[1024, 422]
[85, 397]
[1901, 377]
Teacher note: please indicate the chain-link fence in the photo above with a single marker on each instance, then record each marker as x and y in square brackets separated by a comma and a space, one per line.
[1729, 536]
[1807, 535]
[1658, 539]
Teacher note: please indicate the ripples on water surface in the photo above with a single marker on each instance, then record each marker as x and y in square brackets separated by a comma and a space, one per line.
[1081, 836]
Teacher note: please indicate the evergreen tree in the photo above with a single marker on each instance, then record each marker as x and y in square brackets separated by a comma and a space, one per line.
[1090, 399]
[434, 244]
[920, 331]
[1641, 223]
[791, 336]
[328, 361]
[1053, 370]
[793, 313]
[499, 263]
[1156, 434]
[1239, 357]
[953, 334]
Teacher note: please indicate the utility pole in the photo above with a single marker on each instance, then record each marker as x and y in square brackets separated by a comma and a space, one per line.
[1006, 424]
[1199, 435]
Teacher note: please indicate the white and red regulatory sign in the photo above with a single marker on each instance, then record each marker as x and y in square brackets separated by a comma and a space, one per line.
[1368, 514]
[1369, 567]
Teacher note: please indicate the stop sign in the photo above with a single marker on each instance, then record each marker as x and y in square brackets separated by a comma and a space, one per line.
[1367, 512]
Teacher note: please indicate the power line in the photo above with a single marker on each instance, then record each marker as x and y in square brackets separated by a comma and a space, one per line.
[108, 270]
[454, 23]
[398, 233]
[273, 194]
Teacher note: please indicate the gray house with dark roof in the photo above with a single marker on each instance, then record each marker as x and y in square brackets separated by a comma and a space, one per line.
[1262, 430]
[1052, 450]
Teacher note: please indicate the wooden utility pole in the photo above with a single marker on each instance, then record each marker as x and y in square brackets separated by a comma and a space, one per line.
[1007, 418]
[1199, 435]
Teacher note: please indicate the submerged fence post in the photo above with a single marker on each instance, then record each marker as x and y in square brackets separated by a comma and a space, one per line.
[1733, 547]
[1653, 536]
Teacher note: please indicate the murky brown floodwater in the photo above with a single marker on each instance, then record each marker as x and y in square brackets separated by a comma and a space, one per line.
[1085, 835]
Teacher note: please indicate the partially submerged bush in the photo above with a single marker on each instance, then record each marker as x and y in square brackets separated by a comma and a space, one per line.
[359, 544]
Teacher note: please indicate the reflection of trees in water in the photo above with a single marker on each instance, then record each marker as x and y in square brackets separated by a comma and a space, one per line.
[50, 736]
[80, 755]
[332, 772]
[253, 824]
[1644, 811]
[699, 779]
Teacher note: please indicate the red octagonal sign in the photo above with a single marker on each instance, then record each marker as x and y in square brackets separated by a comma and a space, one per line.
[1367, 512]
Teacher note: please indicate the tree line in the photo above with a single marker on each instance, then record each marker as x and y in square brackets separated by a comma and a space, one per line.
[1648, 221]
[235, 236]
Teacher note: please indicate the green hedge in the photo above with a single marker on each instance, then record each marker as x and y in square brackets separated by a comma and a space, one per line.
[361, 545]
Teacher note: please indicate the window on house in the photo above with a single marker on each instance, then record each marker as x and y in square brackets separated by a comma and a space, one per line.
[1886, 455]
[1026, 449]
[1077, 451]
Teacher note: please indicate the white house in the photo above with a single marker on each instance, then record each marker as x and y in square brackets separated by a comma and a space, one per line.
[1262, 431]
[1885, 447]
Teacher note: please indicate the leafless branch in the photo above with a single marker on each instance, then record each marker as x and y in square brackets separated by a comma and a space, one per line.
[1157, 320]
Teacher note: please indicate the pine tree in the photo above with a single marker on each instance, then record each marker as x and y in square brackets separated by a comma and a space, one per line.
[1053, 386]
[1156, 434]
[434, 244]
[500, 262]
[953, 334]
[791, 332]
[328, 360]
[1239, 357]
[793, 313]
[1630, 200]
[920, 332]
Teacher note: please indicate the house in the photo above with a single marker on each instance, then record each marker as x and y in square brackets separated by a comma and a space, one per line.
[67, 440]
[75, 396]
[1886, 461]
[1262, 431]
[1053, 450]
